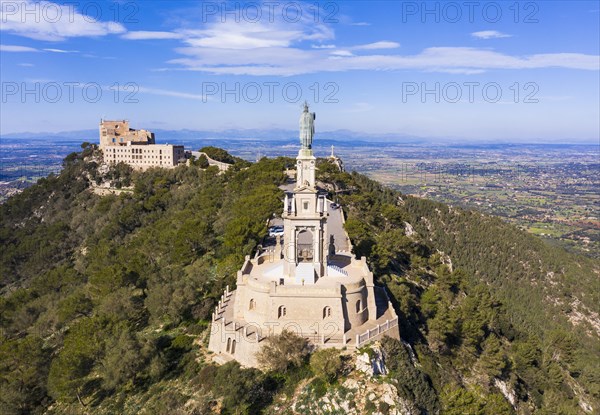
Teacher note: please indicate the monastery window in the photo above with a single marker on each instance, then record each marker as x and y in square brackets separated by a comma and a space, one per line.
[358, 306]
[281, 312]
[228, 345]
[252, 305]
[233, 347]
[305, 205]
[327, 312]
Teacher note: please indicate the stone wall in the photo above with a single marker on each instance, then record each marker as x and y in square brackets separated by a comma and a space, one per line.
[118, 133]
[142, 157]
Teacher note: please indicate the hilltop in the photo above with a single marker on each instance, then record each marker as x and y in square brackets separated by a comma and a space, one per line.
[106, 300]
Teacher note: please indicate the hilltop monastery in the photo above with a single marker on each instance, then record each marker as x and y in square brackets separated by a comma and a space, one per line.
[137, 148]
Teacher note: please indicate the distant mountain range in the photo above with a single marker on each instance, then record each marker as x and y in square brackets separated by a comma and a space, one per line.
[337, 137]
[246, 134]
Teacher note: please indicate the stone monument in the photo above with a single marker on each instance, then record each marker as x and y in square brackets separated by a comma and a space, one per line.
[309, 283]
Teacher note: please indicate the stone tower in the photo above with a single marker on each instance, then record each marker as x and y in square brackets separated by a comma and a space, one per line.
[305, 217]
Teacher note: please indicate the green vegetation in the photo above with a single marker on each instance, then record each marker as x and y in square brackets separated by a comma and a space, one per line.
[499, 314]
[221, 155]
[412, 383]
[201, 161]
[326, 364]
[99, 293]
[283, 352]
[106, 300]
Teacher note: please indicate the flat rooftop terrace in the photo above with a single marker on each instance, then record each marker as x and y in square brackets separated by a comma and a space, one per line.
[341, 269]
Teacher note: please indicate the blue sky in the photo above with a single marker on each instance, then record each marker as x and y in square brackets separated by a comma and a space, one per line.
[517, 71]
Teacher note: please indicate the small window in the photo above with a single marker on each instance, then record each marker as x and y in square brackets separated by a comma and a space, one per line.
[305, 205]
[233, 347]
[252, 305]
[228, 345]
[281, 312]
[358, 306]
[327, 312]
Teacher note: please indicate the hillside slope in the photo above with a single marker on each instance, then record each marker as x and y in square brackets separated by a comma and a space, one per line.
[106, 299]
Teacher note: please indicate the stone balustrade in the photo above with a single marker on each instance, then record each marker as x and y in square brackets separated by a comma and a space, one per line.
[361, 339]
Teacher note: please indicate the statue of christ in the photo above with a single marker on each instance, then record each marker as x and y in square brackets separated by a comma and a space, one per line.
[307, 127]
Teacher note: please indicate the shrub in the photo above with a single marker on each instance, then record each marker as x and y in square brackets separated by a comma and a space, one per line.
[326, 364]
[182, 342]
[319, 387]
[283, 351]
[202, 161]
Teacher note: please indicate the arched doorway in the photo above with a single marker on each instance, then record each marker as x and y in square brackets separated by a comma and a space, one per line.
[305, 246]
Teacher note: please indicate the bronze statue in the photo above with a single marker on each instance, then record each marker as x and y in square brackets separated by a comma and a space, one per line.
[307, 127]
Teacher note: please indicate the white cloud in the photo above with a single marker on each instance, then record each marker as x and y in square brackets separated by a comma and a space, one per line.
[149, 35]
[342, 53]
[384, 44]
[16, 48]
[134, 88]
[247, 35]
[281, 48]
[273, 31]
[60, 50]
[489, 34]
[92, 56]
[50, 21]
[288, 61]
[176, 94]
[458, 71]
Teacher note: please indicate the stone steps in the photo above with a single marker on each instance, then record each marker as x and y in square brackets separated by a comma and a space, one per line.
[221, 359]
